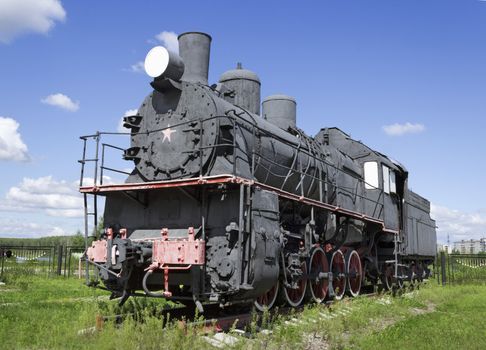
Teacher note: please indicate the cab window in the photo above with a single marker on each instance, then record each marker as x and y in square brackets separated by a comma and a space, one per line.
[371, 175]
[393, 182]
[386, 179]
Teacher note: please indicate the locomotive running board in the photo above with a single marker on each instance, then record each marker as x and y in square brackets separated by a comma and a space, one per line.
[227, 178]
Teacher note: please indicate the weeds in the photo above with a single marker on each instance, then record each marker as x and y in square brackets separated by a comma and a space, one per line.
[49, 313]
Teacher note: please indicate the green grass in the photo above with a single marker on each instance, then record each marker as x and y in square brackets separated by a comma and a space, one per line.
[42, 313]
[456, 322]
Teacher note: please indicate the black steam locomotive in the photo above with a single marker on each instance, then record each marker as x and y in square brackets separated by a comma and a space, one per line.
[229, 204]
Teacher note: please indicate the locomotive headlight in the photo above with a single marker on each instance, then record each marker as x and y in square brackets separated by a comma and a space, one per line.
[162, 63]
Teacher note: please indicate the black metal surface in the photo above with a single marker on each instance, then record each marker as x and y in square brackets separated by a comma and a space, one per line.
[188, 130]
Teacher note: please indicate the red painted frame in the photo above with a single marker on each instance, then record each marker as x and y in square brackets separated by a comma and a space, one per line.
[226, 178]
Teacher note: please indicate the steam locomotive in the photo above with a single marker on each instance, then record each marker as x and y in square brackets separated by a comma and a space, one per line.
[228, 204]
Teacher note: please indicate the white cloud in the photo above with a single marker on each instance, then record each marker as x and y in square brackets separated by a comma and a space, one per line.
[120, 127]
[44, 195]
[65, 213]
[46, 185]
[457, 224]
[401, 129]
[11, 145]
[45, 206]
[23, 16]
[89, 181]
[169, 40]
[61, 101]
[137, 67]
[16, 228]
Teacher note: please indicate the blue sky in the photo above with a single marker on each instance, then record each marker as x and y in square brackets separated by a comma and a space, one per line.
[358, 65]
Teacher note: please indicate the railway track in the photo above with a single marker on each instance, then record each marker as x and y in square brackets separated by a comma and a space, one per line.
[216, 319]
[224, 327]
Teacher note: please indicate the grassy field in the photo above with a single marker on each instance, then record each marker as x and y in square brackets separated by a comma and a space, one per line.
[41, 313]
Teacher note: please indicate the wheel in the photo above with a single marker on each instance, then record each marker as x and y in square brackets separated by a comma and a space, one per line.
[399, 279]
[387, 277]
[267, 299]
[338, 268]
[318, 286]
[354, 272]
[292, 296]
[420, 272]
[412, 275]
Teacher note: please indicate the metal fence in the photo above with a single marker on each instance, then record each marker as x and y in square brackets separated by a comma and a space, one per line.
[460, 268]
[45, 261]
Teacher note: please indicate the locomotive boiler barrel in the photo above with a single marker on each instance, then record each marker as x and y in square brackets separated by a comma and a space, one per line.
[188, 141]
[283, 159]
[286, 161]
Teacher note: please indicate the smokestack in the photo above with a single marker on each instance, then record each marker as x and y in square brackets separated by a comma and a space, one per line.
[194, 50]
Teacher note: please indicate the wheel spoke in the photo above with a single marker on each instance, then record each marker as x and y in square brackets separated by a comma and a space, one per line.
[338, 269]
[354, 272]
[317, 264]
[267, 299]
[388, 277]
[294, 296]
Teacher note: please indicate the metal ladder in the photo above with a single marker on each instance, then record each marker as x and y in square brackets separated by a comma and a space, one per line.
[94, 197]
[396, 252]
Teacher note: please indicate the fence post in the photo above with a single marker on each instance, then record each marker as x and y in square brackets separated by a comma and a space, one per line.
[68, 259]
[60, 250]
[436, 268]
[2, 253]
[443, 268]
[65, 261]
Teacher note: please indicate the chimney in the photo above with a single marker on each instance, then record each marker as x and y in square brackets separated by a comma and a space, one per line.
[194, 50]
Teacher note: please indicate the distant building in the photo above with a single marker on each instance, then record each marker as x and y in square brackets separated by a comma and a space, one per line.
[472, 246]
[443, 248]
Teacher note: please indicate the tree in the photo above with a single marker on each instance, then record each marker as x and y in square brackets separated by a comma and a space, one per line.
[99, 229]
[77, 239]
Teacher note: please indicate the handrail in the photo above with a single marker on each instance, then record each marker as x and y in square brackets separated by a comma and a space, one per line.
[303, 147]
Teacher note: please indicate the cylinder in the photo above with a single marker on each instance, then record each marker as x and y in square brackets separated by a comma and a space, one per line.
[280, 110]
[245, 86]
[194, 49]
[162, 63]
